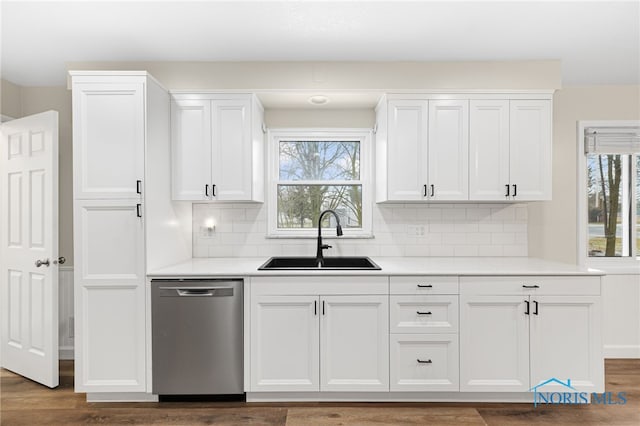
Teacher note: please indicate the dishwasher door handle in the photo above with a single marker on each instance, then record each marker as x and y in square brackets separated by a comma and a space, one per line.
[196, 291]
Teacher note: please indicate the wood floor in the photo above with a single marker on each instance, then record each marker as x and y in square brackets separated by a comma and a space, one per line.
[23, 402]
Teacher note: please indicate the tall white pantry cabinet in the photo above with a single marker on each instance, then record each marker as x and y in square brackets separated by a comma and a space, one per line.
[114, 115]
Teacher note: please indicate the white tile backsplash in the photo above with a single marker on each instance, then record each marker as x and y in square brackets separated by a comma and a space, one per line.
[449, 230]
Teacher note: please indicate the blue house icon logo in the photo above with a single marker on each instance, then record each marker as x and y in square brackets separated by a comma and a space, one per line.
[540, 396]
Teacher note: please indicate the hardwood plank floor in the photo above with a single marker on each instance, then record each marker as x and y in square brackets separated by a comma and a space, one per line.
[23, 402]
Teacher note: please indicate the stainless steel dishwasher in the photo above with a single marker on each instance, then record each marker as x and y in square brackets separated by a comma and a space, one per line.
[197, 337]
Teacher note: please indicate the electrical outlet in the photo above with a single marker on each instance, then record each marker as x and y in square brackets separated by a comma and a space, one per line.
[415, 230]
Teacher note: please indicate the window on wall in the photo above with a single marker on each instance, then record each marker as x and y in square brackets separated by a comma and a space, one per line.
[316, 170]
[613, 192]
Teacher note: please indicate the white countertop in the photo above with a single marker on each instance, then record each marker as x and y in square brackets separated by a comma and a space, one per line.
[242, 266]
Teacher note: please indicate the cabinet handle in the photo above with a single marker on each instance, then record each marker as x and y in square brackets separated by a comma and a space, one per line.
[535, 307]
[139, 186]
[515, 189]
[213, 190]
[424, 194]
[428, 361]
[138, 212]
[323, 307]
[423, 313]
[530, 286]
[315, 307]
[433, 190]
[526, 309]
[508, 187]
[425, 286]
[206, 190]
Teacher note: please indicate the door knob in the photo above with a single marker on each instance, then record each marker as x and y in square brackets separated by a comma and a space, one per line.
[60, 260]
[39, 263]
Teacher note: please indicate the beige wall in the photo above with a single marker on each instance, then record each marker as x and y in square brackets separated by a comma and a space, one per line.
[11, 102]
[552, 225]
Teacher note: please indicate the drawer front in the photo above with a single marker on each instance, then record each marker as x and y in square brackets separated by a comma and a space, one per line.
[424, 362]
[531, 285]
[424, 285]
[424, 314]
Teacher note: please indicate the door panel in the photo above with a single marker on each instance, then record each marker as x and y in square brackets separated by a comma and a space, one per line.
[108, 135]
[284, 343]
[449, 150]
[29, 232]
[494, 344]
[354, 343]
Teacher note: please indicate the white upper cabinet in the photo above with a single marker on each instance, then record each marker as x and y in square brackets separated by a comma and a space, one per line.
[530, 150]
[448, 150]
[108, 138]
[489, 150]
[217, 147]
[459, 147]
[406, 151]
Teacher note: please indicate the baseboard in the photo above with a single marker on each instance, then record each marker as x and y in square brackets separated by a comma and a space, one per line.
[621, 351]
[121, 397]
[66, 353]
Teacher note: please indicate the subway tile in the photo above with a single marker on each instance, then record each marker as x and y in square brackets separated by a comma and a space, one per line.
[489, 250]
[503, 238]
[478, 238]
[515, 250]
[465, 251]
[442, 251]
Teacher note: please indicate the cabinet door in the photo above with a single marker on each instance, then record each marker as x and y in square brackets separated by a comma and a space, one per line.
[449, 150]
[494, 344]
[191, 149]
[284, 343]
[407, 151]
[530, 150]
[566, 342]
[354, 343]
[488, 150]
[424, 362]
[109, 277]
[108, 140]
[231, 149]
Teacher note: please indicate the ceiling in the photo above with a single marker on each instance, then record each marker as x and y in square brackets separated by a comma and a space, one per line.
[597, 42]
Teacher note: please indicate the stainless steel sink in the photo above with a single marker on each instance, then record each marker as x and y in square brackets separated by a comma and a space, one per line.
[311, 263]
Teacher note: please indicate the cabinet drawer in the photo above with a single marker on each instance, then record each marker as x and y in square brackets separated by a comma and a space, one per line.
[424, 285]
[424, 314]
[536, 285]
[424, 362]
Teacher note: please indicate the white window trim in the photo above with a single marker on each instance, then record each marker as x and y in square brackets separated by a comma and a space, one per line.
[364, 136]
[626, 265]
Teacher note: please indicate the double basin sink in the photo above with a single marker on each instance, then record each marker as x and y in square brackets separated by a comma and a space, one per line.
[311, 263]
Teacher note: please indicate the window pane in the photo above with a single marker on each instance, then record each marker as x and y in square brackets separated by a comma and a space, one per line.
[609, 205]
[325, 160]
[299, 206]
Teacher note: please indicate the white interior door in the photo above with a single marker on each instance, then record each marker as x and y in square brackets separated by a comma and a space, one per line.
[29, 247]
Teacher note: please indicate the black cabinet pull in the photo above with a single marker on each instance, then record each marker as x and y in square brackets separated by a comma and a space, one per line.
[423, 313]
[315, 307]
[206, 190]
[138, 211]
[508, 187]
[433, 190]
[535, 307]
[213, 190]
[530, 286]
[425, 190]
[139, 186]
[425, 286]
[526, 309]
[515, 189]
[323, 307]
[428, 361]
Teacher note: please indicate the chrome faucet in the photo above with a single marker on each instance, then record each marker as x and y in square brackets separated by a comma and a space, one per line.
[321, 247]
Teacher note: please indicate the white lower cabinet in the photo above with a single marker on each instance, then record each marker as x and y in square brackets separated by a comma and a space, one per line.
[548, 327]
[424, 362]
[317, 342]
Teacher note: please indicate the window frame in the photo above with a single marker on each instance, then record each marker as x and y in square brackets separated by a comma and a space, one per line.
[611, 265]
[361, 135]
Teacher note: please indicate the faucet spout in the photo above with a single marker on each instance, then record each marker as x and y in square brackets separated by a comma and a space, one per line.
[321, 247]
